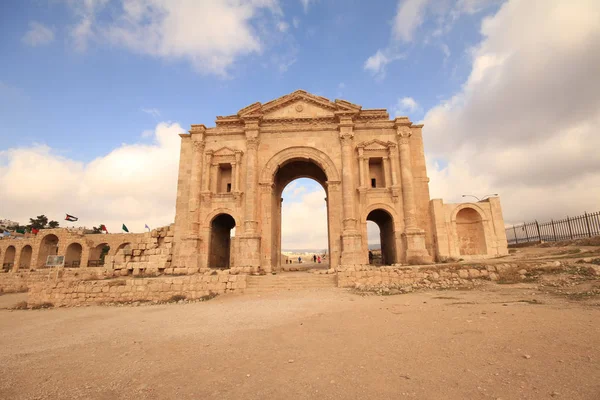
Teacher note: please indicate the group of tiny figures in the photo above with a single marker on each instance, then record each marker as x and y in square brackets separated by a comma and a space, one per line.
[316, 259]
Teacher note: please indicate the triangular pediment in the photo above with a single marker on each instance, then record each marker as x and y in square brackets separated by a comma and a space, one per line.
[224, 151]
[374, 145]
[299, 104]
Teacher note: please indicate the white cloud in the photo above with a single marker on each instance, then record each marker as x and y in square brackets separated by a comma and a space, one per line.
[134, 184]
[409, 17]
[210, 34]
[306, 4]
[405, 106]
[377, 62]
[526, 121]
[38, 34]
[304, 219]
[151, 111]
[283, 26]
[296, 22]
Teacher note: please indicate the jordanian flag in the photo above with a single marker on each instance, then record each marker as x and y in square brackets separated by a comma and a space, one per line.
[125, 228]
[103, 228]
[71, 218]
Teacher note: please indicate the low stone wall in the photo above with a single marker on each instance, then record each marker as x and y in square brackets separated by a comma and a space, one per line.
[21, 281]
[76, 292]
[369, 278]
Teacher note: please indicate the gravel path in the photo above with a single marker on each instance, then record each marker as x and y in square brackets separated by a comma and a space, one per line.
[327, 344]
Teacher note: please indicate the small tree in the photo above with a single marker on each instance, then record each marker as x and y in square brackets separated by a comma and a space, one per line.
[41, 222]
[38, 222]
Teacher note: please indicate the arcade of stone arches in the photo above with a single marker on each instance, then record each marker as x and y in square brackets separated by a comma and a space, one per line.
[79, 250]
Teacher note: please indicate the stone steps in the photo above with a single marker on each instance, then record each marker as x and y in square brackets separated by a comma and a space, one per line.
[271, 283]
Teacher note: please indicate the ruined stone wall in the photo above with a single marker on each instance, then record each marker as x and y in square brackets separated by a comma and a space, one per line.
[22, 280]
[368, 277]
[69, 292]
[468, 230]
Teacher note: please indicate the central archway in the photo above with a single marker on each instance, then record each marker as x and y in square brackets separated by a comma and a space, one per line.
[284, 167]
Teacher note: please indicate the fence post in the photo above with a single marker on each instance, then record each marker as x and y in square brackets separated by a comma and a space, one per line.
[587, 222]
[553, 230]
[538, 231]
[515, 231]
[525, 229]
[569, 225]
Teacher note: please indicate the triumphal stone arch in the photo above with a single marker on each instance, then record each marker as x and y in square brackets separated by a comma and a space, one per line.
[371, 167]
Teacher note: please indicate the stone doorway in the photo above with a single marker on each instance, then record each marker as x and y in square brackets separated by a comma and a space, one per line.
[387, 237]
[221, 228]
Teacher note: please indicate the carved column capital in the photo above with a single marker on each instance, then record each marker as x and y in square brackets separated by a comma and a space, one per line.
[238, 155]
[252, 143]
[198, 145]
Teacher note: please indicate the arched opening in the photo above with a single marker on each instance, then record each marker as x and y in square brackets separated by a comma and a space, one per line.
[98, 254]
[303, 232]
[73, 255]
[221, 229]
[470, 233]
[25, 260]
[387, 240]
[307, 228]
[9, 258]
[374, 243]
[48, 247]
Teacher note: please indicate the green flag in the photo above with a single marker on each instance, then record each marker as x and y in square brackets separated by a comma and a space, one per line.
[21, 230]
[125, 228]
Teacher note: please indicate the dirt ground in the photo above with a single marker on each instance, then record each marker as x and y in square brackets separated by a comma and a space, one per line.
[498, 342]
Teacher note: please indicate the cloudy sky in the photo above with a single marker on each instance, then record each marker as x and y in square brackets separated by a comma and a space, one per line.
[94, 92]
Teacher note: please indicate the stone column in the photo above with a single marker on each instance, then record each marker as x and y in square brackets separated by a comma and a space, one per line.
[415, 237]
[386, 172]
[351, 238]
[393, 151]
[196, 179]
[250, 240]
[206, 179]
[236, 173]
[361, 170]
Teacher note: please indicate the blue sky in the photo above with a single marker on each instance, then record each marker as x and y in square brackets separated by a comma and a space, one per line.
[86, 103]
[94, 92]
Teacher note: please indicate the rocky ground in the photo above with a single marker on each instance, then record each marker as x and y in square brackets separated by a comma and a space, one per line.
[534, 337]
[497, 342]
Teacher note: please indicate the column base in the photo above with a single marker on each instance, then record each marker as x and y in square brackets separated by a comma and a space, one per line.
[249, 251]
[351, 247]
[189, 252]
[416, 253]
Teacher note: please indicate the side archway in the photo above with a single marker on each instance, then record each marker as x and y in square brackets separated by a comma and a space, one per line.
[9, 258]
[73, 255]
[387, 236]
[98, 254]
[219, 254]
[25, 259]
[48, 247]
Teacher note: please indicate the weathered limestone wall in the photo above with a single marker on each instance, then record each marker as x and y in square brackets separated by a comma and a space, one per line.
[468, 230]
[21, 281]
[368, 277]
[69, 292]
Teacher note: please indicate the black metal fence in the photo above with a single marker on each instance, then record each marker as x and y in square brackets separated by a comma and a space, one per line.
[586, 225]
